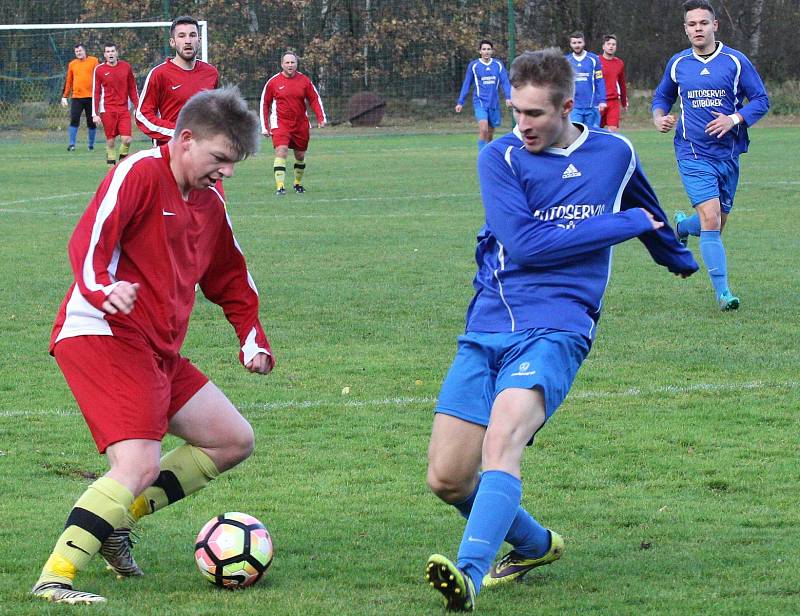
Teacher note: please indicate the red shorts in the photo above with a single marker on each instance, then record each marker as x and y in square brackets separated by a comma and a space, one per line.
[610, 117]
[296, 137]
[116, 123]
[124, 389]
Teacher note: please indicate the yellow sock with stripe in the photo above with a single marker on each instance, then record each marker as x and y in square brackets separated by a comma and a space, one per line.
[299, 170]
[124, 149]
[184, 470]
[110, 155]
[279, 168]
[96, 514]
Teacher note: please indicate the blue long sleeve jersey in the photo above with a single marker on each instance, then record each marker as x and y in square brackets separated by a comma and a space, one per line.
[487, 80]
[590, 87]
[719, 83]
[544, 254]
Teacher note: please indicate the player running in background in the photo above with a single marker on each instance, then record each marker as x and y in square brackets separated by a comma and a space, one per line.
[169, 85]
[590, 88]
[614, 80]
[543, 265]
[79, 83]
[156, 227]
[285, 119]
[113, 86]
[712, 81]
[486, 75]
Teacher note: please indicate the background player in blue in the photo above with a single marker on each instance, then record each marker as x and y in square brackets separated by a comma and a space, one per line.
[487, 76]
[590, 87]
[712, 81]
[544, 257]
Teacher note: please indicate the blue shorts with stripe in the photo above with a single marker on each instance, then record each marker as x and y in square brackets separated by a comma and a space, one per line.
[487, 363]
[710, 179]
[493, 115]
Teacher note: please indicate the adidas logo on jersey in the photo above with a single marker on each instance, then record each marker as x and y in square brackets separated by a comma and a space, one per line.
[570, 172]
[705, 71]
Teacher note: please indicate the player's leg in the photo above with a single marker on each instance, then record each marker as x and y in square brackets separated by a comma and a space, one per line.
[90, 125]
[299, 170]
[609, 117]
[484, 135]
[281, 143]
[75, 110]
[124, 130]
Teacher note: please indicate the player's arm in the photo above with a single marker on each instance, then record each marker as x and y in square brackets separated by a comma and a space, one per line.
[465, 87]
[133, 92]
[757, 102]
[266, 105]
[313, 97]
[599, 85]
[535, 243]
[147, 117]
[623, 87]
[228, 284]
[506, 84]
[663, 99]
[97, 89]
[67, 85]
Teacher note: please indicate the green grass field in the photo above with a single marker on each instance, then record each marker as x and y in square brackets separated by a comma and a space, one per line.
[671, 470]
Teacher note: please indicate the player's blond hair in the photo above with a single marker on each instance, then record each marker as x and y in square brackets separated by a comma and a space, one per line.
[544, 67]
[222, 112]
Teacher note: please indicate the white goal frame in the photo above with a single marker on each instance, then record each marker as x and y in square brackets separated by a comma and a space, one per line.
[203, 25]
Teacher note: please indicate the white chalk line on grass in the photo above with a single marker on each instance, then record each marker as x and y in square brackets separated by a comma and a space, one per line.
[631, 392]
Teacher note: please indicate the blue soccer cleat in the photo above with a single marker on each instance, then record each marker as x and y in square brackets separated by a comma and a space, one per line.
[728, 301]
[683, 238]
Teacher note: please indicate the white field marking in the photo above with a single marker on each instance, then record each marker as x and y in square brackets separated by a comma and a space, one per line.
[631, 392]
[50, 198]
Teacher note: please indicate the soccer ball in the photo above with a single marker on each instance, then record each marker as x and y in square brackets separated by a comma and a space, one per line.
[233, 550]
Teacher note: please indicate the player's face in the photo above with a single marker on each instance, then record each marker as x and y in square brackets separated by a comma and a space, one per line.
[208, 160]
[577, 45]
[700, 27]
[80, 53]
[289, 65]
[186, 41]
[110, 54]
[486, 51]
[610, 47]
[540, 121]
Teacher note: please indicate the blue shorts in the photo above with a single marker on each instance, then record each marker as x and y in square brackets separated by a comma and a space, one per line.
[485, 364]
[493, 115]
[710, 179]
[587, 115]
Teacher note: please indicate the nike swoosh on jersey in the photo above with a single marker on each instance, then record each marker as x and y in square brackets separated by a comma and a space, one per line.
[176, 87]
[166, 213]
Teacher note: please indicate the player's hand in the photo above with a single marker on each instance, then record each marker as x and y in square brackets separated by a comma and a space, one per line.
[654, 224]
[64, 102]
[267, 133]
[602, 107]
[260, 364]
[322, 124]
[509, 104]
[459, 108]
[665, 123]
[122, 298]
[97, 119]
[720, 125]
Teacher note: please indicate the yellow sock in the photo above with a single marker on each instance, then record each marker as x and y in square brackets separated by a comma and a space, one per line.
[279, 167]
[110, 158]
[93, 518]
[184, 470]
[299, 170]
[124, 149]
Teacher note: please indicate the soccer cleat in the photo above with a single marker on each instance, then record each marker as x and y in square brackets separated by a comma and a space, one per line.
[56, 592]
[281, 191]
[514, 565]
[456, 586]
[70, 148]
[728, 301]
[683, 238]
[298, 188]
[91, 148]
[116, 550]
[111, 161]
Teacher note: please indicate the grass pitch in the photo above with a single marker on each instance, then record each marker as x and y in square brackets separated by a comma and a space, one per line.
[671, 470]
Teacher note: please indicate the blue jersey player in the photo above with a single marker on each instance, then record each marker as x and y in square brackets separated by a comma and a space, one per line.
[590, 87]
[544, 255]
[486, 75]
[712, 81]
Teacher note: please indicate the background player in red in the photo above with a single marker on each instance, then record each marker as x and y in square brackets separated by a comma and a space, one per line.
[616, 91]
[285, 119]
[113, 86]
[156, 227]
[170, 84]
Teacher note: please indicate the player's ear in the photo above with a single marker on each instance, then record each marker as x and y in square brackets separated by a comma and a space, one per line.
[567, 106]
[184, 138]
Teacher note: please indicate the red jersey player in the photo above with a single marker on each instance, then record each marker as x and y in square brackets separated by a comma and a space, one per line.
[285, 119]
[616, 91]
[156, 227]
[112, 87]
[169, 85]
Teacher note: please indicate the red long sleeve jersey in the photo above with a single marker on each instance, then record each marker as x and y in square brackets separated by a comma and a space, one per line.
[139, 229]
[112, 86]
[283, 102]
[614, 76]
[166, 90]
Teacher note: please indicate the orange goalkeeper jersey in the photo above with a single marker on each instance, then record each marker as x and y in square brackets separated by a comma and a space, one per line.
[79, 77]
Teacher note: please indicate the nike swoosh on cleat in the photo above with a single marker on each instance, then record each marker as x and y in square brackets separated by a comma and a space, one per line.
[72, 545]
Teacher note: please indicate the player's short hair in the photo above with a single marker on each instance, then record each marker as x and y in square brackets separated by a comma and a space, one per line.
[183, 20]
[485, 42]
[691, 5]
[289, 52]
[544, 67]
[610, 37]
[109, 45]
[81, 45]
[577, 34]
[222, 112]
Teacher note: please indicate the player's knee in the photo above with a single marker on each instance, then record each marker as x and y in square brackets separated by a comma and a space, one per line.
[241, 444]
[448, 487]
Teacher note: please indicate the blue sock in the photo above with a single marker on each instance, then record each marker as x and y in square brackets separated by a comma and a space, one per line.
[72, 131]
[481, 144]
[690, 225]
[493, 511]
[716, 262]
[525, 535]
[92, 133]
